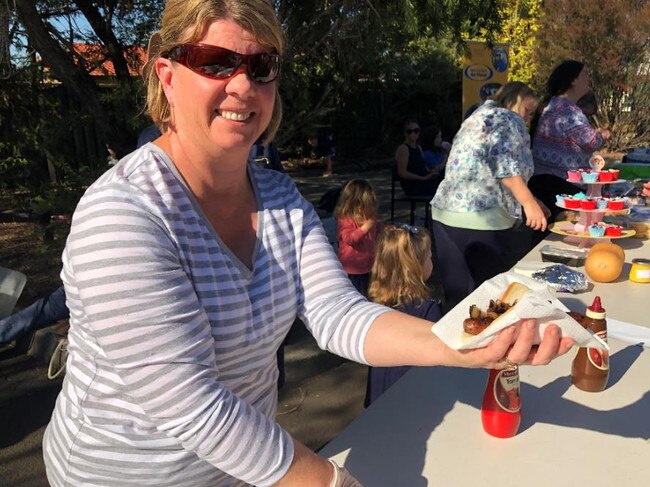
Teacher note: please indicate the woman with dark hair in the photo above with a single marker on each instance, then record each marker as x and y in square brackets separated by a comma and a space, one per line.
[563, 139]
[414, 177]
[484, 192]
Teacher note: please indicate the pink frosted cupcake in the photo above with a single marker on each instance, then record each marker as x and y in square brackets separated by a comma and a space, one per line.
[575, 176]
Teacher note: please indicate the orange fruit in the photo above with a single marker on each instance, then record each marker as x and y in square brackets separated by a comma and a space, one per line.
[617, 249]
[603, 265]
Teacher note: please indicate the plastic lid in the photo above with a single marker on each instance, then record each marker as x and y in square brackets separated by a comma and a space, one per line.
[596, 310]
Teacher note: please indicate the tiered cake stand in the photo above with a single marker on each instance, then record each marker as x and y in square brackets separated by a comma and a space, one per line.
[578, 233]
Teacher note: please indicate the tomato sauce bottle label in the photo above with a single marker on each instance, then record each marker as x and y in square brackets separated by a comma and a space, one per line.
[506, 390]
[599, 357]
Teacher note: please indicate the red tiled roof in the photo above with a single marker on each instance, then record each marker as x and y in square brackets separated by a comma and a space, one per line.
[98, 64]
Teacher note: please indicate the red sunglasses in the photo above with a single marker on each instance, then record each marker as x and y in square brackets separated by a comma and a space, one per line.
[221, 63]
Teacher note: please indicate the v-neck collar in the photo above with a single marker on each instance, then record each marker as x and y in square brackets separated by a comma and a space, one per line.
[243, 269]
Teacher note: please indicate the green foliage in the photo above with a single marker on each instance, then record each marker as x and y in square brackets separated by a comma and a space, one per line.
[361, 65]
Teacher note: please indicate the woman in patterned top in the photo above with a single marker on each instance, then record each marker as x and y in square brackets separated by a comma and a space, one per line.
[563, 138]
[484, 192]
[185, 268]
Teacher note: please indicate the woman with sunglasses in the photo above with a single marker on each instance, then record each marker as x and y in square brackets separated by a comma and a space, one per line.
[484, 194]
[185, 268]
[414, 176]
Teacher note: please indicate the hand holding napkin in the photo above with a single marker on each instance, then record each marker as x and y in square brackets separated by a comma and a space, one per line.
[538, 303]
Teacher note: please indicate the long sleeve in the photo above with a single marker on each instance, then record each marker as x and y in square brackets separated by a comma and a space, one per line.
[171, 377]
[145, 321]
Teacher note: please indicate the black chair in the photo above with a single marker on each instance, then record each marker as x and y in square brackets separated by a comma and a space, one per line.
[413, 201]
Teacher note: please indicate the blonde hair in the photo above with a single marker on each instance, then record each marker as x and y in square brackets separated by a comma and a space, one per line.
[357, 201]
[181, 16]
[396, 276]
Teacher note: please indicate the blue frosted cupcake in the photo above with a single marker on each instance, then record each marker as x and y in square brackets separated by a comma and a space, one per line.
[601, 203]
[589, 177]
[559, 199]
[596, 230]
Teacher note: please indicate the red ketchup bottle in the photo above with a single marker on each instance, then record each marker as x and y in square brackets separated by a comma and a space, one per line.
[501, 410]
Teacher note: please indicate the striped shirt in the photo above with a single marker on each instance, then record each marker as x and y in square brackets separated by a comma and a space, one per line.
[171, 374]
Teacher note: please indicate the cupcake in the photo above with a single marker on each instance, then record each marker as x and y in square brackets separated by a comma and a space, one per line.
[589, 177]
[575, 176]
[588, 204]
[613, 230]
[596, 230]
[580, 196]
[571, 203]
[605, 176]
[615, 173]
[559, 199]
[601, 203]
[616, 204]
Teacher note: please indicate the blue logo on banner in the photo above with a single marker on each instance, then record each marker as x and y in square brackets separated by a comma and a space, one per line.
[478, 72]
[500, 59]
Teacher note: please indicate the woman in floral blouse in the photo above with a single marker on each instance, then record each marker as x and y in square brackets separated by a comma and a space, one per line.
[563, 138]
[485, 193]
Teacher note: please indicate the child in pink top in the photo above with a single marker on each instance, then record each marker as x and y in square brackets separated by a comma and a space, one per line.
[357, 229]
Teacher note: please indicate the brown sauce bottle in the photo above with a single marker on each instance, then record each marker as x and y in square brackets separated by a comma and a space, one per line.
[590, 368]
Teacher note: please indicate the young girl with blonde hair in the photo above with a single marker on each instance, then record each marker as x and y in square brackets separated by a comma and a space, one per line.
[357, 229]
[398, 279]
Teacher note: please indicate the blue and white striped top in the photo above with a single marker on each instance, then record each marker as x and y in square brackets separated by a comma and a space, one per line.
[171, 374]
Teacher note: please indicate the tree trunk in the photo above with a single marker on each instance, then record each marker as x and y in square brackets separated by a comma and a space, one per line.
[5, 53]
[106, 35]
[75, 78]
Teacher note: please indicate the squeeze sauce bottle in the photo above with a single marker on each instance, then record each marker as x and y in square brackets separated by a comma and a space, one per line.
[590, 368]
[501, 409]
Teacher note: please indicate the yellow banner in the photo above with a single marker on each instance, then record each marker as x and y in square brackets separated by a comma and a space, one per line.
[485, 70]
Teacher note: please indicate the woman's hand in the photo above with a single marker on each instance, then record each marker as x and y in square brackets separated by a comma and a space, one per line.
[516, 345]
[535, 215]
[547, 212]
[604, 133]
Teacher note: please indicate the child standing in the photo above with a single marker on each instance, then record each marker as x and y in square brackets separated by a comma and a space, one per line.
[398, 279]
[357, 229]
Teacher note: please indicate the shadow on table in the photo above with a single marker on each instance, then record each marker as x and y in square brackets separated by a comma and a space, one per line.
[423, 408]
[546, 404]
[424, 411]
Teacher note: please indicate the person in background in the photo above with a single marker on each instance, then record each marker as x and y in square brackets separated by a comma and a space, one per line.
[321, 148]
[562, 137]
[398, 280]
[484, 193]
[148, 134]
[186, 266]
[414, 177]
[43, 312]
[326, 149]
[434, 150]
[357, 227]
[266, 154]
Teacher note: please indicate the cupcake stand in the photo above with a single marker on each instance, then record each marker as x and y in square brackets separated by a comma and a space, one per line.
[578, 233]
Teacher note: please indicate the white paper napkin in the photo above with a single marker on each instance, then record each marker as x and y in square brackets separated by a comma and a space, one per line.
[539, 303]
[628, 332]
